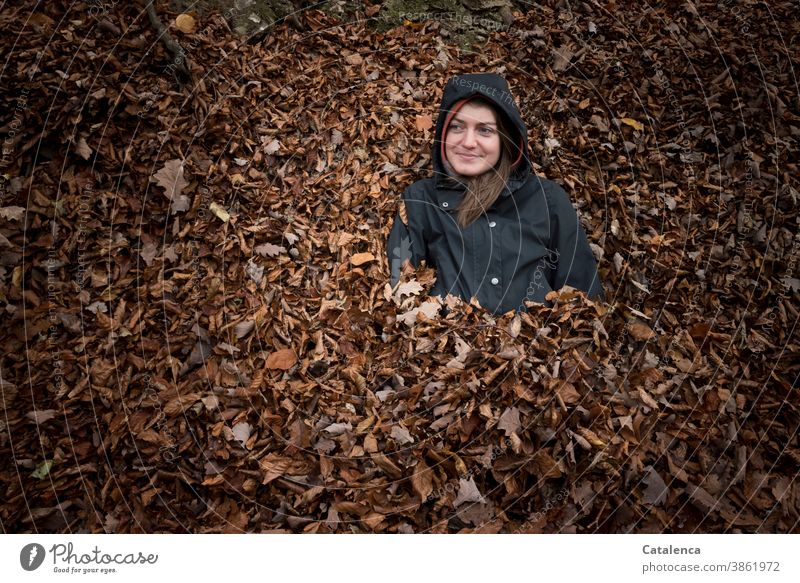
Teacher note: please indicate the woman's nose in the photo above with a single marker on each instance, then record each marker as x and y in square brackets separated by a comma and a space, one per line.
[469, 138]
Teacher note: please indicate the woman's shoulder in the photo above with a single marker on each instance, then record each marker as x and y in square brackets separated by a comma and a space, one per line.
[419, 190]
[546, 185]
[541, 189]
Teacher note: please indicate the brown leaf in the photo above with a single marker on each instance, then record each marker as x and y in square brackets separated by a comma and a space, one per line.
[561, 58]
[543, 465]
[282, 359]
[354, 59]
[409, 288]
[269, 250]
[656, 492]
[171, 179]
[467, 492]
[647, 399]
[12, 213]
[637, 125]
[41, 415]
[185, 23]
[640, 331]
[361, 258]
[427, 310]
[509, 421]
[271, 147]
[83, 149]
[401, 435]
[422, 480]
[568, 393]
[424, 122]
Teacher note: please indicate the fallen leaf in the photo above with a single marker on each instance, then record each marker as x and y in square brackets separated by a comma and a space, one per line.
[270, 250]
[656, 491]
[429, 310]
[83, 149]
[568, 393]
[467, 492]
[220, 212]
[424, 122]
[282, 359]
[272, 147]
[41, 415]
[338, 428]
[149, 252]
[185, 23]
[171, 179]
[509, 421]
[422, 480]
[241, 432]
[242, 329]
[640, 331]
[561, 58]
[12, 213]
[647, 399]
[633, 123]
[361, 258]
[401, 435]
[43, 469]
[409, 288]
[354, 59]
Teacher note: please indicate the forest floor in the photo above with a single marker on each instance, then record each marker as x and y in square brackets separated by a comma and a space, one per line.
[199, 332]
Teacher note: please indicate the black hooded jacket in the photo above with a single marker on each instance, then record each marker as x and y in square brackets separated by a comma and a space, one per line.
[528, 243]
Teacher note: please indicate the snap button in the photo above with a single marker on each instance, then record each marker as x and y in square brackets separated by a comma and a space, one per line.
[492, 224]
[495, 281]
[445, 205]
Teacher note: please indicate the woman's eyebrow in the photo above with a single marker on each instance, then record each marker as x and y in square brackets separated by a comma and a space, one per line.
[480, 123]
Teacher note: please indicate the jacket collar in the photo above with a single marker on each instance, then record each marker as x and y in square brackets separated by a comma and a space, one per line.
[452, 196]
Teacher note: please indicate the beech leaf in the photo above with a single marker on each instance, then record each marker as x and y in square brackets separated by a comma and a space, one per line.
[282, 359]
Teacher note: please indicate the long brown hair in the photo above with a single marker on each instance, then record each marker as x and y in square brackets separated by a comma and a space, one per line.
[482, 191]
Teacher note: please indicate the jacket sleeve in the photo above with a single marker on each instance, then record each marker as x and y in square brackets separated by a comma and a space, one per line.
[575, 262]
[406, 240]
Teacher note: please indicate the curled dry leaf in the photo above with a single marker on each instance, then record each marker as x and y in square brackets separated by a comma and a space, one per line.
[422, 480]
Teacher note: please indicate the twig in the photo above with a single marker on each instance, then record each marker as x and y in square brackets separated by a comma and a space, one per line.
[179, 55]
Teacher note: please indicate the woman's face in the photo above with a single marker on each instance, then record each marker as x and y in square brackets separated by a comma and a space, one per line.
[472, 142]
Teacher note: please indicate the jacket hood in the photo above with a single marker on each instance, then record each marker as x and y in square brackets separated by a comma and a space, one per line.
[493, 87]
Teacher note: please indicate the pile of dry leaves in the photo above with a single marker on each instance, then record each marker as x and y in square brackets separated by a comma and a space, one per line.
[200, 335]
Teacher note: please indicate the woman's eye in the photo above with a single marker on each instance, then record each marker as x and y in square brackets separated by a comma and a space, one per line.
[486, 131]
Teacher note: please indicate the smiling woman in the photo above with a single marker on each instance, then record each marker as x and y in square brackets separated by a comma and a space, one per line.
[477, 150]
[490, 228]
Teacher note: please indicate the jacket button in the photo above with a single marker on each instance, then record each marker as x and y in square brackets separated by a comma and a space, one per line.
[492, 224]
[495, 281]
[445, 205]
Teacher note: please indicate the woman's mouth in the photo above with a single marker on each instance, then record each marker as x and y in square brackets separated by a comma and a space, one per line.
[467, 157]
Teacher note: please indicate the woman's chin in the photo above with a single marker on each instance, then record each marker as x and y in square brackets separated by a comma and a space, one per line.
[468, 170]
